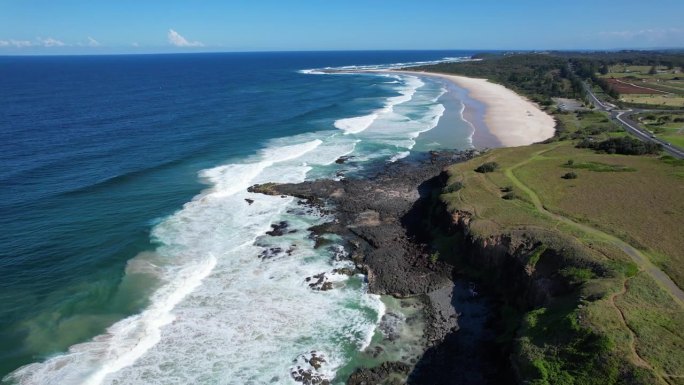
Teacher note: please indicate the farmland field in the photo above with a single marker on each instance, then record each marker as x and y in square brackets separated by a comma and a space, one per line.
[656, 86]
[655, 100]
[631, 87]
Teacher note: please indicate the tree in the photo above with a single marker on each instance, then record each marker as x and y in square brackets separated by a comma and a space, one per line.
[603, 70]
[487, 167]
[652, 71]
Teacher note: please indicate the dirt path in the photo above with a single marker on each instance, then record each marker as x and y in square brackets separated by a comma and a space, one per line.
[637, 359]
[645, 265]
[638, 257]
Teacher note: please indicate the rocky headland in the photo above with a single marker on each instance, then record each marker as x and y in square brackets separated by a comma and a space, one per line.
[385, 221]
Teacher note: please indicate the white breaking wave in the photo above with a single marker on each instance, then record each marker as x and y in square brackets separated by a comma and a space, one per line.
[215, 291]
[356, 124]
[374, 67]
[470, 124]
[359, 124]
[242, 174]
[398, 156]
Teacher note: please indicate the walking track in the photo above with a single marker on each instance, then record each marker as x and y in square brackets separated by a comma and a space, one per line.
[637, 256]
[645, 265]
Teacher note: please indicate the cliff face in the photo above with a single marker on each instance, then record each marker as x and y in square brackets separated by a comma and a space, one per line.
[402, 233]
[543, 279]
[519, 264]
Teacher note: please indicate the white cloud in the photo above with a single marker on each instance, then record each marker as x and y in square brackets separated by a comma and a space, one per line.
[39, 41]
[50, 42]
[176, 39]
[647, 34]
[93, 43]
[15, 43]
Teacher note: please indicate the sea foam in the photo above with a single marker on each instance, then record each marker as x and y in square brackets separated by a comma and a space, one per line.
[406, 89]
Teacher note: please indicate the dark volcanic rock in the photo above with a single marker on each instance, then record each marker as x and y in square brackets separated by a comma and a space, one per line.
[344, 271]
[389, 325]
[250, 201]
[383, 222]
[271, 252]
[306, 371]
[379, 374]
[319, 282]
[382, 216]
[279, 229]
[343, 159]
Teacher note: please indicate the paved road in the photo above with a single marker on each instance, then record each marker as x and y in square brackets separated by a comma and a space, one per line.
[623, 117]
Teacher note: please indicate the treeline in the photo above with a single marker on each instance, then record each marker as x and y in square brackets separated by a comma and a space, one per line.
[588, 68]
[625, 145]
[670, 59]
[541, 76]
[537, 76]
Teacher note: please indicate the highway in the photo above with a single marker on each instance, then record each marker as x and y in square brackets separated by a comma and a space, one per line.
[623, 117]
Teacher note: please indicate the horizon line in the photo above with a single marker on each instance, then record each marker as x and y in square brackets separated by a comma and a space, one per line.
[195, 52]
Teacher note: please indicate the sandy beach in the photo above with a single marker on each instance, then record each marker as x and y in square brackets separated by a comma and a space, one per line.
[511, 118]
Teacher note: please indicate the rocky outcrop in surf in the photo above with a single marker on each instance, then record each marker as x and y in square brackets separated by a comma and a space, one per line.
[382, 221]
[378, 217]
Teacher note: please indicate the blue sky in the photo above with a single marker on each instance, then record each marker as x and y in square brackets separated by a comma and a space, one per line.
[126, 26]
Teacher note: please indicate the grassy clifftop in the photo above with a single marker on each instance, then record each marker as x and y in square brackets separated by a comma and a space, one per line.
[615, 323]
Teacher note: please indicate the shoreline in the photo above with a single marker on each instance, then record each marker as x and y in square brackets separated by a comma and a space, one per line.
[510, 118]
[381, 220]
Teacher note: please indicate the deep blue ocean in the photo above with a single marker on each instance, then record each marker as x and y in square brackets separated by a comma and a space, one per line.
[128, 253]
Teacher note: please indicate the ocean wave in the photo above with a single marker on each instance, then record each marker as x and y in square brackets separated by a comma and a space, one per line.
[399, 155]
[123, 343]
[378, 67]
[469, 123]
[358, 124]
[213, 289]
[206, 317]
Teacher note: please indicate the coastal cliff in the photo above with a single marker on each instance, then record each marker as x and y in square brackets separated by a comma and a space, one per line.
[500, 306]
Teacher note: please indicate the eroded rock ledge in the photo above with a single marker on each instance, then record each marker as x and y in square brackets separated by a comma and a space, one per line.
[380, 217]
[383, 220]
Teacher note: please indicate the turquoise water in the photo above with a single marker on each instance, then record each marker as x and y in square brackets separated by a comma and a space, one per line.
[129, 253]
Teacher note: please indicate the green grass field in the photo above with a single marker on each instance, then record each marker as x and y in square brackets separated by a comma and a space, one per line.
[573, 125]
[637, 199]
[654, 100]
[667, 126]
[642, 72]
[668, 81]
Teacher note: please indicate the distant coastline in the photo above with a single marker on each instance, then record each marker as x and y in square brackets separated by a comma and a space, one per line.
[511, 118]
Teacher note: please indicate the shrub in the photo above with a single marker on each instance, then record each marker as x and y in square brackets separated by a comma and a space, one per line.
[452, 187]
[569, 175]
[506, 189]
[509, 196]
[625, 145]
[599, 167]
[570, 162]
[487, 167]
